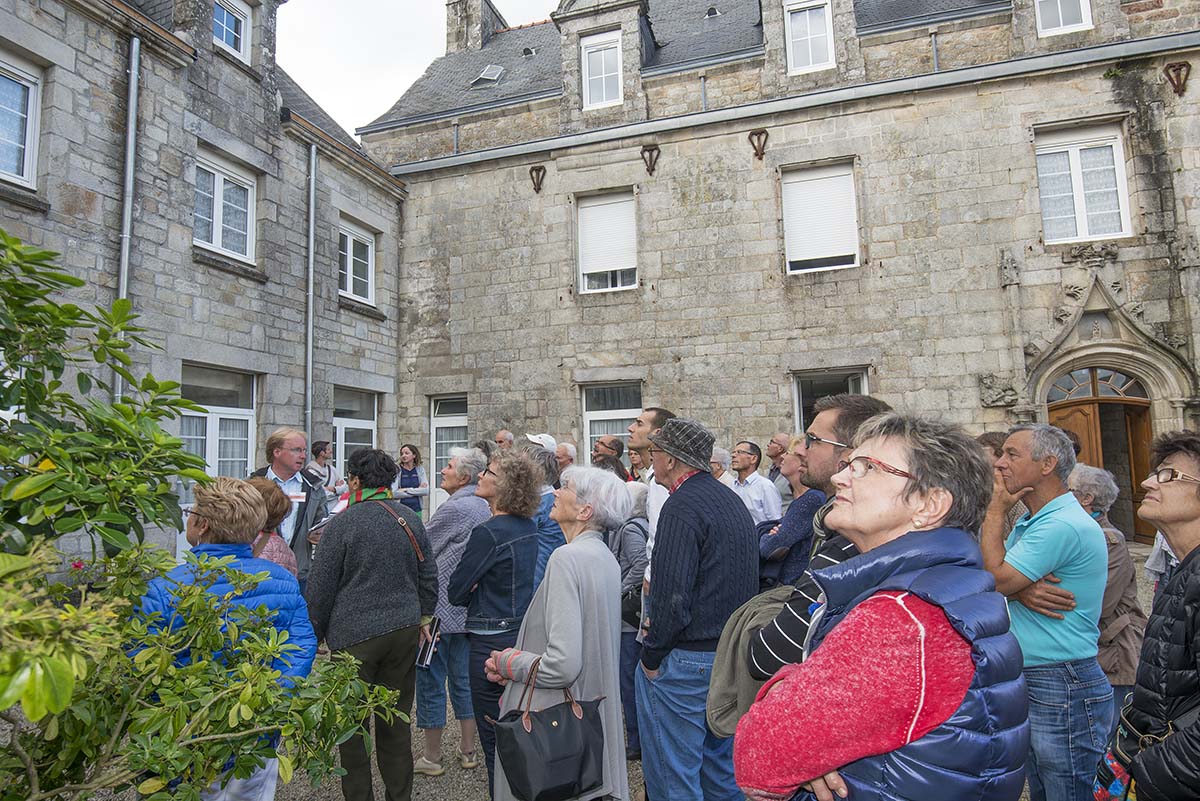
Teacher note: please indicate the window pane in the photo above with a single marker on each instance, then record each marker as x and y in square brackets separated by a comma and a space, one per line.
[614, 428]
[611, 88]
[1050, 15]
[596, 89]
[343, 262]
[235, 217]
[446, 438]
[227, 27]
[203, 216]
[1100, 196]
[233, 446]
[356, 439]
[595, 63]
[610, 60]
[193, 432]
[813, 387]
[447, 407]
[210, 386]
[1057, 197]
[361, 288]
[353, 404]
[14, 121]
[612, 398]
[1072, 13]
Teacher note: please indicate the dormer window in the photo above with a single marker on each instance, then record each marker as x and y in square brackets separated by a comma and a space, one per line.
[601, 57]
[712, 12]
[529, 51]
[809, 35]
[1062, 16]
[490, 75]
[232, 24]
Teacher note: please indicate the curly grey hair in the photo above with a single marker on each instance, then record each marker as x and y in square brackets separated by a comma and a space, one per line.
[1097, 482]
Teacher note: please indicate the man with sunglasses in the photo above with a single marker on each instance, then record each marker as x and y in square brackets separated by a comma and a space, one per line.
[1070, 697]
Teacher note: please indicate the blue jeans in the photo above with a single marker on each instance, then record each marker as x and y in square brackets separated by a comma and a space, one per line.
[1070, 716]
[485, 695]
[449, 661]
[681, 759]
[631, 652]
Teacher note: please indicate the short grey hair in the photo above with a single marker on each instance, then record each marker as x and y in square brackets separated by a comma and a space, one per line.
[544, 459]
[941, 456]
[638, 492]
[508, 435]
[602, 490]
[1050, 440]
[471, 462]
[571, 449]
[722, 457]
[1097, 482]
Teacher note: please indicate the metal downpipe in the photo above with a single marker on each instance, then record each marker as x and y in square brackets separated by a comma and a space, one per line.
[309, 303]
[131, 117]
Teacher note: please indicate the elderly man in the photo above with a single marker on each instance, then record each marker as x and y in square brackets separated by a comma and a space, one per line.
[565, 453]
[719, 466]
[705, 566]
[608, 445]
[286, 450]
[757, 492]
[776, 449]
[1070, 697]
[504, 439]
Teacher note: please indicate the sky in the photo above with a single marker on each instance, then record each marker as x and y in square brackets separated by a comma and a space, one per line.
[357, 57]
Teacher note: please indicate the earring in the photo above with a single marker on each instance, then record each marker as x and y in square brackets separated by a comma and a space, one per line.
[918, 522]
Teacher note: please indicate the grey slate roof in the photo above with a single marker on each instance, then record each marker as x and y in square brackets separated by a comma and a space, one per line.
[297, 100]
[684, 34]
[885, 15]
[161, 11]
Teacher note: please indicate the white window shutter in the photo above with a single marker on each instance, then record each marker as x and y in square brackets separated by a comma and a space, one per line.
[820, 218]
[607, 233]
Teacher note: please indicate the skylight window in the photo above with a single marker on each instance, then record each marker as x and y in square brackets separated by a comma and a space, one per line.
[491, 73]
[529, 51]
[712, 12]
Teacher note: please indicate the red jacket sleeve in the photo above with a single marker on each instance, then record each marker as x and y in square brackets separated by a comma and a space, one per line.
[890, 672]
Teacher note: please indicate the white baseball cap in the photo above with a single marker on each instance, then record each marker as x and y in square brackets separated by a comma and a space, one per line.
[545, 440]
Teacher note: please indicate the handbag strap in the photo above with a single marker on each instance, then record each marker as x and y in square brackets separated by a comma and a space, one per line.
[526, 699]
[407, 529]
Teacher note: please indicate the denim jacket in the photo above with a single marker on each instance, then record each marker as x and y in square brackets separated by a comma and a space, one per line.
[494, 578]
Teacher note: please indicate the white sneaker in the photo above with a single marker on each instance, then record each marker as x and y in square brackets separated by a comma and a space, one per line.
[427, 768]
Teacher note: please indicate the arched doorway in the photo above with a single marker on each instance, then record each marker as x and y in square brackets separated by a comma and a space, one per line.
[1109, 410]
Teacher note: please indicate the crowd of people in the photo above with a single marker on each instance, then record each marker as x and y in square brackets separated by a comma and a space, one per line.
[892, 609]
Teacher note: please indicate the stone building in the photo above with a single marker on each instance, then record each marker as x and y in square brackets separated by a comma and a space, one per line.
[234, 192]
[981, 209]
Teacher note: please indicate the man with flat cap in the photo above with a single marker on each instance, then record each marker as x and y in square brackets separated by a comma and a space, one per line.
[705, 565]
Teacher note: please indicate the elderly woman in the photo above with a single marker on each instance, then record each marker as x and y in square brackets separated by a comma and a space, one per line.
[1122, 622]
[1158, 738]
[372, 591]
[494, 579]
[785, 549]
[573, 627]
[226, 518]
[448, 531]
[912, 686]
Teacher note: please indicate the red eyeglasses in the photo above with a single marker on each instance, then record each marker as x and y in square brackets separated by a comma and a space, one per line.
[861, 465]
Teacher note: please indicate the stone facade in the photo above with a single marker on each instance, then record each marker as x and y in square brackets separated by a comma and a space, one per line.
[958, 307]
[200, 306]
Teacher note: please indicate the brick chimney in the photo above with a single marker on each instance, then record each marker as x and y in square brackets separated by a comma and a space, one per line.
[470, 24]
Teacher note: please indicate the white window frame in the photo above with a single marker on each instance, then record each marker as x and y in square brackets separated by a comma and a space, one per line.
[1071, 141]
[29, 76]
[225, 171]
[859, 374]
[212, 434]
[340, 424]
[353, 232]
[245, 14]
[790, 6]
[613, 414]
[437, 495]
[801, 174]
[591, 44]
[1085, 13]
[589, 201]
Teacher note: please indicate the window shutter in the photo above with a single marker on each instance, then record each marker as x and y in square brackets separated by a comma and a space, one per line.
[820, 218]
[607, 233]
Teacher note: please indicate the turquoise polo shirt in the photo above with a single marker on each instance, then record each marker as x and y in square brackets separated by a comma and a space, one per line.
[1064, 540]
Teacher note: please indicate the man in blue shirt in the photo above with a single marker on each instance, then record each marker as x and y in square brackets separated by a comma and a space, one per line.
[1057, 547]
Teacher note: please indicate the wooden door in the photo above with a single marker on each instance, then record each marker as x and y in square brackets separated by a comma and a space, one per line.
[1083, 419]
[1138, 435]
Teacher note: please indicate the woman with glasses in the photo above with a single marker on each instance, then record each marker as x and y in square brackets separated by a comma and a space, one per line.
[785, 549]
[572, 630]
[912, 685]
[494, 579]
[1158, 737]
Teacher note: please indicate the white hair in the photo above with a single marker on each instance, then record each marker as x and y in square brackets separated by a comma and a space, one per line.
[638, 492]
[1098, 483]
[604, 492]
[508, 435]
[571, 450]
[721, 457]
[471, 462]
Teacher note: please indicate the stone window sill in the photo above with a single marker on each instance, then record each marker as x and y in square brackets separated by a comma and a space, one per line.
[227, 265]
[27, 198]
[358, 307]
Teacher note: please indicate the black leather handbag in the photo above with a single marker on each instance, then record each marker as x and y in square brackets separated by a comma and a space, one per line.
[551, 754]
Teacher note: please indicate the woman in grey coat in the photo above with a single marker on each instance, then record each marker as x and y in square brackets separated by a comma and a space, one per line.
[573, 624]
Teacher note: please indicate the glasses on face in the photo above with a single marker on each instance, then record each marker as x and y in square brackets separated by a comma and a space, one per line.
[859, 466]
[602, 445]
[296, 450]
[741, 453]
[191, 512]
[487, 471]
[812, 439]
[1165, 475]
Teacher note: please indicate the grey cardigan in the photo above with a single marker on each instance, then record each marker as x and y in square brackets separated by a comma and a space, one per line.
[574, 625]
[366, 578]
[448, 530]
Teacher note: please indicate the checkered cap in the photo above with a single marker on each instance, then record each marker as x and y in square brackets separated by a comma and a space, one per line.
[686, 440]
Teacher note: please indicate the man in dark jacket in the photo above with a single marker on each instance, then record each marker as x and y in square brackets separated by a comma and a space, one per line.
[705, 565]
[286, 452]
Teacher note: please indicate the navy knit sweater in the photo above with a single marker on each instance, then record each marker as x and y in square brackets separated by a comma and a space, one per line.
[705, 565]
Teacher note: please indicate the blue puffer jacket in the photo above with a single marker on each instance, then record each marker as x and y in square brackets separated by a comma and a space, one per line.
[280, 592]
[979, 753]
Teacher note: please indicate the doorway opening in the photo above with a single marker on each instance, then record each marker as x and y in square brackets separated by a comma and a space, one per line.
[1109, 410]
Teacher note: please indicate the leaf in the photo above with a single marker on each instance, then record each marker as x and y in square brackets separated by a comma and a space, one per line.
[58, 682]
[11, 563]
[16, 686]
[30, 485]
[114, 537]
[285, 768]
[151, 785]
[33, 700]
[195, 475]
[84, 381]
